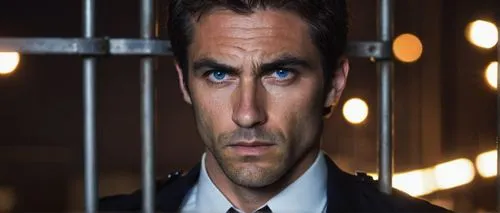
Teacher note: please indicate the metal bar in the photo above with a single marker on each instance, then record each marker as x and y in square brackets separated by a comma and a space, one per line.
[146, 47]
[89, 66]
[147, 31]
[139, 47]
[86, 46]
[385, 99]
[498, 114]
[80, 46]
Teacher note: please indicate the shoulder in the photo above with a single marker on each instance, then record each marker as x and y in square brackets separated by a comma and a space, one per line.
[372, 199]
[133, 200]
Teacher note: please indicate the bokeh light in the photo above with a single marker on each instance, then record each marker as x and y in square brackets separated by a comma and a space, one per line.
[482, 33]
[355, 110]
[486, 164]
[407, 48]
[8, 62]
[415, 183]
[454, 173]
[491, 74]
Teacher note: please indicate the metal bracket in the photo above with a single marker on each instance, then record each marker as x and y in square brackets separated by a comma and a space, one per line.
[375, 50]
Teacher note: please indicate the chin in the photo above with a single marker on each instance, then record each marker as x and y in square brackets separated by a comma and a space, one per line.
[254, 174]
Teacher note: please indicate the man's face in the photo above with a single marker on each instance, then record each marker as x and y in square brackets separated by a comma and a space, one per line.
[256, 86]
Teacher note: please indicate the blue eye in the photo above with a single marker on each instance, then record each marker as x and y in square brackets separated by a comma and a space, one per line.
[217, 75]
[282, 74]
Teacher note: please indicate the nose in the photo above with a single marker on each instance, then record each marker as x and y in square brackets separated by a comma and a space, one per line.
[249, 107]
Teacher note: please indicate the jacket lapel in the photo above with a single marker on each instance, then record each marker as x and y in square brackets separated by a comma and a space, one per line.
[341, 192]
[171, 196]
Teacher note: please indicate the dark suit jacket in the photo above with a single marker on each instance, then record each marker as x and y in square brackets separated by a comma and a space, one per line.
[346, 193]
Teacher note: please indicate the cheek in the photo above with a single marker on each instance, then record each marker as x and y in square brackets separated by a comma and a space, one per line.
[213, 110]
[297, 111]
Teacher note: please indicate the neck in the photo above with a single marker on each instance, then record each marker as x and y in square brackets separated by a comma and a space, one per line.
[249, 199]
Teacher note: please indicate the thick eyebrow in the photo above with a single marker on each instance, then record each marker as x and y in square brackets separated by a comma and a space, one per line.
[285, 61]
[210, 63]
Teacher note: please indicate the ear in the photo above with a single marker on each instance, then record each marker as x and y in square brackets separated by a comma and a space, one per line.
[182, 85]
[339, 79]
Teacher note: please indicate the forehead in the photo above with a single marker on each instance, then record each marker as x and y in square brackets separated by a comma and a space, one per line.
[262, 34]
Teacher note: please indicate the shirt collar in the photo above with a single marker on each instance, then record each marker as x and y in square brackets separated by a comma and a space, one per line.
[313, 183]
[307, 193]
[209, 197]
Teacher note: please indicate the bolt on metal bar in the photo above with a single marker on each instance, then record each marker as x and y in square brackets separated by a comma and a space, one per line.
[89, 66]
[370, 49]
[385, 99]
[147, 31]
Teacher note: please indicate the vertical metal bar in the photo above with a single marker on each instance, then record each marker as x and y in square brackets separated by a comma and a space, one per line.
[498, 113]
[91, 188]
[147, 109]
[385, 99]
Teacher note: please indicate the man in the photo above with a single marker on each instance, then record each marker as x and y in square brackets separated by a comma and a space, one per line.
[261, 77]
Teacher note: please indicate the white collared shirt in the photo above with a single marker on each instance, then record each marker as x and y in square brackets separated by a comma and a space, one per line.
[307, 194]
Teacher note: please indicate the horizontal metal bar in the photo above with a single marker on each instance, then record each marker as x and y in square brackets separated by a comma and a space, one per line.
[139, 47]
[83, 46]
[146, 47]
[376, 50]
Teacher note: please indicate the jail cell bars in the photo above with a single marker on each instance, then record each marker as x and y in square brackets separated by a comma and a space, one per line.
[148, 47]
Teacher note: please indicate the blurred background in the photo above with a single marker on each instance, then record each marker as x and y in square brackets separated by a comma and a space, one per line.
[444, 106]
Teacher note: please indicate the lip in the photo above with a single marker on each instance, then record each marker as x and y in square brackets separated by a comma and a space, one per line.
[252, 143]
[253, 148]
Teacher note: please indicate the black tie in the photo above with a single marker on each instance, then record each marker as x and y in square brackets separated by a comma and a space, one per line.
[264, 209]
